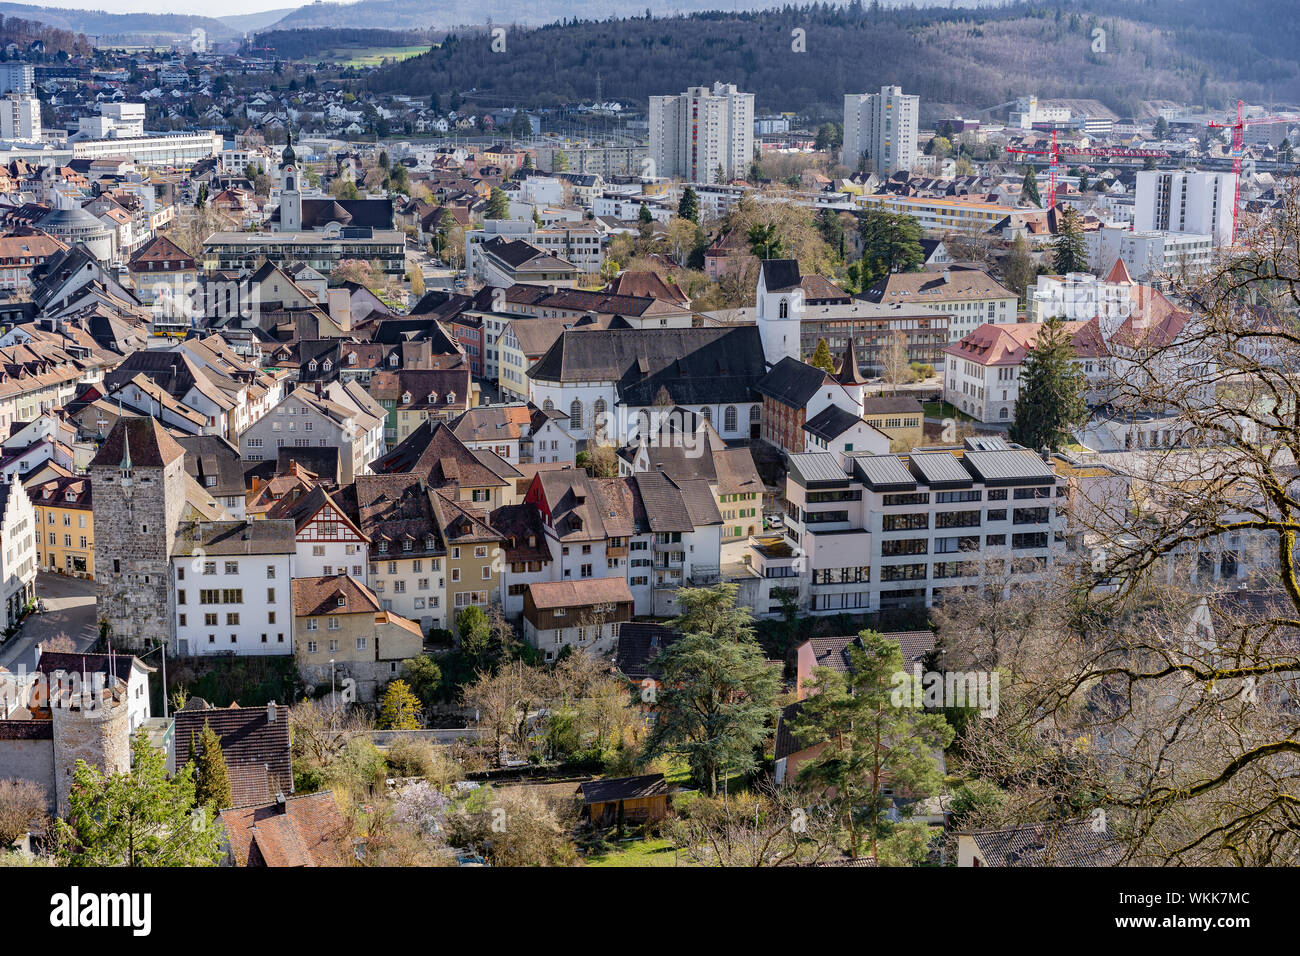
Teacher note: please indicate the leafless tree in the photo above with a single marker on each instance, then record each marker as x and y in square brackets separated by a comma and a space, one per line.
[771, 826]
[1142, 684]
[23, 810]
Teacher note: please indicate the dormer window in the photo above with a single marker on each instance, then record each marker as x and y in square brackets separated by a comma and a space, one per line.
[328, 365]
[352, 358]
[311, 366]
[392, 360]
[383, 547]
[407, 544]
[428, 542]
[406, 398]
[451, 398]
[433, 398]
[343, 600]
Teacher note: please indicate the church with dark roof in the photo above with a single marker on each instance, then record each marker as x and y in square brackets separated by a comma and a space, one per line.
[324, 214]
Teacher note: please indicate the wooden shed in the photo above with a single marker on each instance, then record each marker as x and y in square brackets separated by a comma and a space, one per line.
[619, 800]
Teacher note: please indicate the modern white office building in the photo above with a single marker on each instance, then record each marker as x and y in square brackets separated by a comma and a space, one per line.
[1185, 201]
[883, 126]
[889, 531]
[705, 135]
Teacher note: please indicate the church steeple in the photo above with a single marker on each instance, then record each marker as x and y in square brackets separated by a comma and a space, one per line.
[848, 373]
[288, 157]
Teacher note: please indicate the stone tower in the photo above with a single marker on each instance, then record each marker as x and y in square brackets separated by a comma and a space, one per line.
[138, 478]
[91, 723]
[290, 191]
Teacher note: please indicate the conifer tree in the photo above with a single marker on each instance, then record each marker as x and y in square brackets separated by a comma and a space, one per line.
[1029, 188]
[211, 777]
[1051, 401]
[821, 357]
[1069, 253]
[689, 206]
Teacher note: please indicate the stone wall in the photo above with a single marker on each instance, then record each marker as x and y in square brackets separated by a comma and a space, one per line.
[29, 760]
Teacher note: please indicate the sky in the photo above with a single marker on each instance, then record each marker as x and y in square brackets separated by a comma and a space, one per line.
[227, 7]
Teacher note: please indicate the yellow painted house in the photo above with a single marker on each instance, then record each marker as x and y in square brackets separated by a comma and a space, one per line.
[66, 525]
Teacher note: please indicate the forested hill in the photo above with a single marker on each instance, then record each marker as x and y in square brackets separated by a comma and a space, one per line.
[1190, 51]
[24, 33]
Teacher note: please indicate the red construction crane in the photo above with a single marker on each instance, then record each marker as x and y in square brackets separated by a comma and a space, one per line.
[1238, 147]
[1054, 151]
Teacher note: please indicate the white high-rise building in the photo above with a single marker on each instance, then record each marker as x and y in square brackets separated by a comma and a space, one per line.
[1185, 201]
[20, 118]
[884, 126]
[704, 131]
[17, 78]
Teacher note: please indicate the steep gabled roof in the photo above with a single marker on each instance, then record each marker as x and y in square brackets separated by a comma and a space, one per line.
[150, 444]
[792, 382]
[693, 366]
[254, 741]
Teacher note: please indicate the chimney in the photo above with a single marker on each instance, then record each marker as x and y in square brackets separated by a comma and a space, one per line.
[270, 712]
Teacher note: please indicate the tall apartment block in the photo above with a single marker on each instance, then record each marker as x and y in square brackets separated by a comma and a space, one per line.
[17, 78]
[703, 132]
[1185, 201]
[884, 126]
[20, 118]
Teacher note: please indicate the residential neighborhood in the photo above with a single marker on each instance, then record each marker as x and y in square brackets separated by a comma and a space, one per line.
[643, 466]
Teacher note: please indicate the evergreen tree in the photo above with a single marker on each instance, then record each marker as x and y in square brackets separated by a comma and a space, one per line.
[136, 818]
[498, 206]
[211, 778]
[1051, 402]
[1160, 130]
[1029, 188]
[821, 357]
[689, 206]
[831, 227]
[876, 737]
[718, 691]
[399, 708]
[891, 239]
[1069, 253]
[644, 215]
[764, 242]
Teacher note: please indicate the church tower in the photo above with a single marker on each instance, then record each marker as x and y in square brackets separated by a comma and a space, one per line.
[780, 309]
[290, 189]
[138, 482]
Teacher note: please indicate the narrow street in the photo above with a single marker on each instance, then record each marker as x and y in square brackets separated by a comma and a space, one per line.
[70, 609]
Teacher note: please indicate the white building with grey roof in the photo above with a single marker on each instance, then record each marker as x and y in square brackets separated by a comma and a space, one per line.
[877, 532]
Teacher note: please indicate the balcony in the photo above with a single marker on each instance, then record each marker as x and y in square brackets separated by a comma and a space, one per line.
[616, 552]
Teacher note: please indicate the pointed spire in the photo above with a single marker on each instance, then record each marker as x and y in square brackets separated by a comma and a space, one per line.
[126, 448]
[848, 373]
